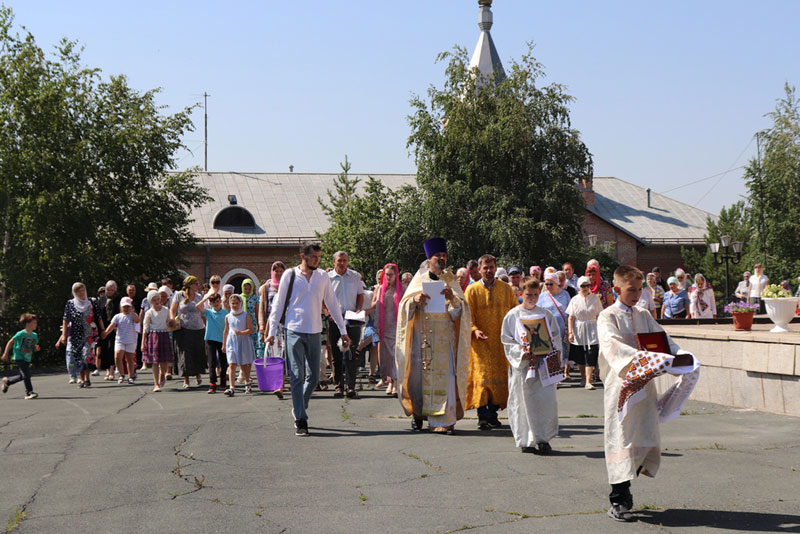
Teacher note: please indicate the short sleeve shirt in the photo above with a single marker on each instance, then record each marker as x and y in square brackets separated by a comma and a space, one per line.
[347, 287]
[215, 323]
[126, 331]
[24, 345]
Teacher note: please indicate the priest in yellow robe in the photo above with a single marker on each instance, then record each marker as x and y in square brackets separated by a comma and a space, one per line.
[432, 349]
[489, 301]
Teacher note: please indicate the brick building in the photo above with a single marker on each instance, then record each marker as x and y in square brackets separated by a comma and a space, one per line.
[257, 218]
[640, 227]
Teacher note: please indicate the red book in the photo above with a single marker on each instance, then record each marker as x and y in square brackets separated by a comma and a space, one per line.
[653, 342]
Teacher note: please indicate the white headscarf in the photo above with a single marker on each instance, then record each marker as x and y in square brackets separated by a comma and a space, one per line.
[80, 305]
[153, 295]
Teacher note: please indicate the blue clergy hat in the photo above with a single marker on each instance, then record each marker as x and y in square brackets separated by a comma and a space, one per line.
[434, 245]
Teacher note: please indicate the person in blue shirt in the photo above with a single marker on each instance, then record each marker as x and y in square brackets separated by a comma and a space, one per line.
[215, 326]
[676, 301]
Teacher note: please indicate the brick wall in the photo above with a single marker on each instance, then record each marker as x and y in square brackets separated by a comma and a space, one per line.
[625, 244]
[256, 260]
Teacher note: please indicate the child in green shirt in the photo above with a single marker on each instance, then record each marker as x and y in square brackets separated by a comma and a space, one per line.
[24, 344]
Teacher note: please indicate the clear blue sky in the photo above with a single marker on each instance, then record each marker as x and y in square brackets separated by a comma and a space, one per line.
[667, 93]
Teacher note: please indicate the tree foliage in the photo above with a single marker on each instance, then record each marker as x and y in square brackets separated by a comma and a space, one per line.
[85, 191]
[498, 163]
[737, 222]
[374, 224]
[774, 190]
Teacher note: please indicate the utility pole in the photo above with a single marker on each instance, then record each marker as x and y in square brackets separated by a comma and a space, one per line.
[761, 195]
[205, 131]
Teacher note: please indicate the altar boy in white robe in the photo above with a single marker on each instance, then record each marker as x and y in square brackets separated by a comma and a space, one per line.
[532, 407]
[633, 410]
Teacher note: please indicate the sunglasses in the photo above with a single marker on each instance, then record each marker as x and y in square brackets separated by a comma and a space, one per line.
[549, 284]
[215, 283]
[585, 285]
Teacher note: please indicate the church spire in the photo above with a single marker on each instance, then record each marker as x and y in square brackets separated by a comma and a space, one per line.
[485, 56]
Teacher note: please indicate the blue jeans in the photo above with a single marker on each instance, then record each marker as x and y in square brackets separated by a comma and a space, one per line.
[303, 351]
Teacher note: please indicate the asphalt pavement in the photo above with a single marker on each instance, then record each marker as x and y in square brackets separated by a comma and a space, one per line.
[121, 458]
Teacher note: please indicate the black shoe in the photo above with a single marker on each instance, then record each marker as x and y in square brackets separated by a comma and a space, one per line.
[301, 428]
[529, 450]
[495, 423]
[338, 394]
[416, 424]
[484, 425]
[451, 431]
[620, 512]
[87, 384]
[352, 394]
[543, 449]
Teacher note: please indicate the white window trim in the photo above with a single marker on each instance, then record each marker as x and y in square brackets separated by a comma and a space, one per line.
[247, 274]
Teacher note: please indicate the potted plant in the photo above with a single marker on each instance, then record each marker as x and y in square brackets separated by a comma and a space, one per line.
[780, 306]
[742, 314]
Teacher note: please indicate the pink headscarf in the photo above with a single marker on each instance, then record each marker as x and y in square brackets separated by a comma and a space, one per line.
[535, 268]
[276, 280]
[398, 294]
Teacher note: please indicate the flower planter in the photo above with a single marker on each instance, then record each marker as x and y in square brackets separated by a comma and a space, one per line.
[743, 320]
[781, 312]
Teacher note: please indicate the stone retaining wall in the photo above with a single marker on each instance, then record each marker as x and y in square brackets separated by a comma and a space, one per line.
[757, 370]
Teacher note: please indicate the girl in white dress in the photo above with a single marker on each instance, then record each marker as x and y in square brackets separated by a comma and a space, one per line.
[238, 344]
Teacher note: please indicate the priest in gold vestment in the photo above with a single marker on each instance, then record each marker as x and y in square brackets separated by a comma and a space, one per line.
[489, 301]
[432, 350]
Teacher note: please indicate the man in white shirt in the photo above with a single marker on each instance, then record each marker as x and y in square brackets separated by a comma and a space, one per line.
[349, 291]
[758, 283]
[743, 289]
[303, 320]
[572, 278]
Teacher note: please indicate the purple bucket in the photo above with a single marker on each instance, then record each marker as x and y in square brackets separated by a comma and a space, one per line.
[269, 374]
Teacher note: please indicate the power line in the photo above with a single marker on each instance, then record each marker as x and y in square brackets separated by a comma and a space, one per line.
[723, 173]
[732, 168]
[701, 180]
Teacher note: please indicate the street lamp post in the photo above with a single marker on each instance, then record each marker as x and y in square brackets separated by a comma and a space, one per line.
[726, 256]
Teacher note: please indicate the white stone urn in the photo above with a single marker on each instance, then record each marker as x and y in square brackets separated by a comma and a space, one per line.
[781, 312]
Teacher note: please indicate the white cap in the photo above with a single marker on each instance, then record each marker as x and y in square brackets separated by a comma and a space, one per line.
[126, 301]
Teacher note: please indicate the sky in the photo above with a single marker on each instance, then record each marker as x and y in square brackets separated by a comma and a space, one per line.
[667, 93]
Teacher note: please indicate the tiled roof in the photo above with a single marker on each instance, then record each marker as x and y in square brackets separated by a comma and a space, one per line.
[624, 205]
[286, 211]
[284, 205]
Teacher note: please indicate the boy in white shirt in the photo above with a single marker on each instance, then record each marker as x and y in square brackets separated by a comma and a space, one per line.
[633, 409]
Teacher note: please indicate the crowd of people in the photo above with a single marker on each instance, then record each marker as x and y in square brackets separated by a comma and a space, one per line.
[485, 337]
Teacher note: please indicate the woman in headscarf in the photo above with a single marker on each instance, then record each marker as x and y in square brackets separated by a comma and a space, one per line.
[387, 301]
[536, 272]
[251, 300]
[702, 304]
[189, 339]
[79, 332]
[227, 291]
[266, 293]
[600, 287]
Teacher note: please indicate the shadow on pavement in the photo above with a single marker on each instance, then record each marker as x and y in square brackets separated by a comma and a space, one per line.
[566, 431]
[322, 432]
[722, 519]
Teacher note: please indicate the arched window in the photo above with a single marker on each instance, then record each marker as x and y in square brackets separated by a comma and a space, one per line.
[234, 217]
[237, 276]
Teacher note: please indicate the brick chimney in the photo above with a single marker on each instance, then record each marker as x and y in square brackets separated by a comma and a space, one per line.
[587, 191]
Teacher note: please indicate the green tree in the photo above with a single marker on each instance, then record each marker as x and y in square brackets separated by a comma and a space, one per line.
[774, 190]
[498, 164]
[85, 188]
[737, 222]
[374, 224]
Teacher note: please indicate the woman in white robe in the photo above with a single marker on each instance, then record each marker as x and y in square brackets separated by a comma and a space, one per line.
[532, 409]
